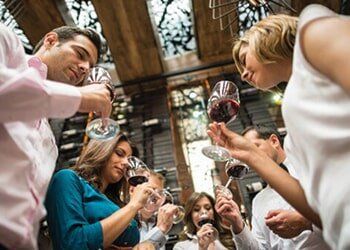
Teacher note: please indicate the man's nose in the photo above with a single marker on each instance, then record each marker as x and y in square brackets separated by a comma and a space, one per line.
[84, 67]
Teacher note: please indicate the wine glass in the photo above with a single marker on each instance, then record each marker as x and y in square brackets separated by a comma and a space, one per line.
[223, 106]
[205, 219]
[235, 170]
[137, 173]
[102, 128]
[158, 199]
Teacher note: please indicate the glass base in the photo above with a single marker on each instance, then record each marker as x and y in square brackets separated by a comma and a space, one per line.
[102, 129]
[216, 153]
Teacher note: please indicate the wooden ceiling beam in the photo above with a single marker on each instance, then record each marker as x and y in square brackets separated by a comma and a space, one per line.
[212, 43]
[129, 33]
[36, 18]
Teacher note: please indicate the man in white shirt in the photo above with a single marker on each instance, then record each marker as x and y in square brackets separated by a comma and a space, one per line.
[275, 224]
[27, 147]
[154, 229]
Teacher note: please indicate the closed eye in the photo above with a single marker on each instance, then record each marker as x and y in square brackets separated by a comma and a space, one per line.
[120, 152]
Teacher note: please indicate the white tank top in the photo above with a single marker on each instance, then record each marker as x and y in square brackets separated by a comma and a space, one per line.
[317, 116]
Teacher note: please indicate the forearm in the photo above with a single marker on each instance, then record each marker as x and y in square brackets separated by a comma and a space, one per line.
[288, 187]
[114, 225]
[25, 96]
[246, 240]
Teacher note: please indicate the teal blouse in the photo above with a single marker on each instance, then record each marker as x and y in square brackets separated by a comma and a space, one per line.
[74, 210]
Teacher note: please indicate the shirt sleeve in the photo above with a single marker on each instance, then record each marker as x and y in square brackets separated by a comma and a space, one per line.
[24, 94]
[157, 237]
[68, 227]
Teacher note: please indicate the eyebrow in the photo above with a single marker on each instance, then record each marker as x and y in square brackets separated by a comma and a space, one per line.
[86, 54]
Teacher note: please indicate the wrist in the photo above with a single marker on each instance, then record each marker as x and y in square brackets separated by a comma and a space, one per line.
[237, 226]
[163, 228]
[133, 206]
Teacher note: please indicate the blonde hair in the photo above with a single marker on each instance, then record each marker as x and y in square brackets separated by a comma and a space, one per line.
[158, 176]
[272, 38]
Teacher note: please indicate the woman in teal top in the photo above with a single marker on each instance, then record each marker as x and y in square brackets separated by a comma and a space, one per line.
[84, 209]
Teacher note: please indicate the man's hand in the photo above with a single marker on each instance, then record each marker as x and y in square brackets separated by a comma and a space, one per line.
[228, 209]
[165, 217]
[287, 223]
[95, 97]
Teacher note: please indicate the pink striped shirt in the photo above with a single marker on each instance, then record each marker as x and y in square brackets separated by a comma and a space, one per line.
[27, 147]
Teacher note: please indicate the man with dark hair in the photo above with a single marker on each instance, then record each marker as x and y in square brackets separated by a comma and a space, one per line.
[275, 224]
[32, 90]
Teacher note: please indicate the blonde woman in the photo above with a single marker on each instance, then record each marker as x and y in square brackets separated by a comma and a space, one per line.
[312, 54]
[84, 208]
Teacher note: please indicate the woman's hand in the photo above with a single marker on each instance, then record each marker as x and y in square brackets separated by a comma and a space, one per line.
[239, 147]
[205, 236]
[141, 194]
[228, 209]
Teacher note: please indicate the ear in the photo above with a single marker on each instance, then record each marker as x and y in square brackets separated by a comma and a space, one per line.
[50, 39]
[274, 141]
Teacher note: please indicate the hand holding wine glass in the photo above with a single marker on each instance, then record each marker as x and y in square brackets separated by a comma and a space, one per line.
[161, 197]
[102, 128]
[204, 219]
[141, 195]
[229, 210]
[239, 147]
[223, 106]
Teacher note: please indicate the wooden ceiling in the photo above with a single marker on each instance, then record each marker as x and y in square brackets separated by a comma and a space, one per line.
[128, 30]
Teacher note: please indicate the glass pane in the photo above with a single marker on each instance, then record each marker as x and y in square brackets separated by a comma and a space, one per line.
[173, 21]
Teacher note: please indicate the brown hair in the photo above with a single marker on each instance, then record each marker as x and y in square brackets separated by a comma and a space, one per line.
[94, 158]
[66, 33]
[191, 228]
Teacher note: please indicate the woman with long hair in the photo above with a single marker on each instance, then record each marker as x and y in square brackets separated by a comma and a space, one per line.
[311, 54]
[199, 237]
[85, 209]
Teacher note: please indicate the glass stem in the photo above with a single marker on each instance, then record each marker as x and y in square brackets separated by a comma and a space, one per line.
[230, 179]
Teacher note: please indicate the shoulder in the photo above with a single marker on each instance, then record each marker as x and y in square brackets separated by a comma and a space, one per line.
[65, 179]
[324, 37]
[66, 174]
[6, 35]
[10, 43]
[259, 199]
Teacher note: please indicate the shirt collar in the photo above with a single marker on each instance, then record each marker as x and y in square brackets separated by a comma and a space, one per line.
[35, 62]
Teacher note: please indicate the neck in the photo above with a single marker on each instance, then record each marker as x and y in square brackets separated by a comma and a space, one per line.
[280, 158]
[286, 69]
[104, 185]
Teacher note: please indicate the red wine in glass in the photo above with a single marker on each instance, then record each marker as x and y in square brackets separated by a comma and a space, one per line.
[237, 171]
[223, 105]
[206, 221]
[224, 110]
[137, 180]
